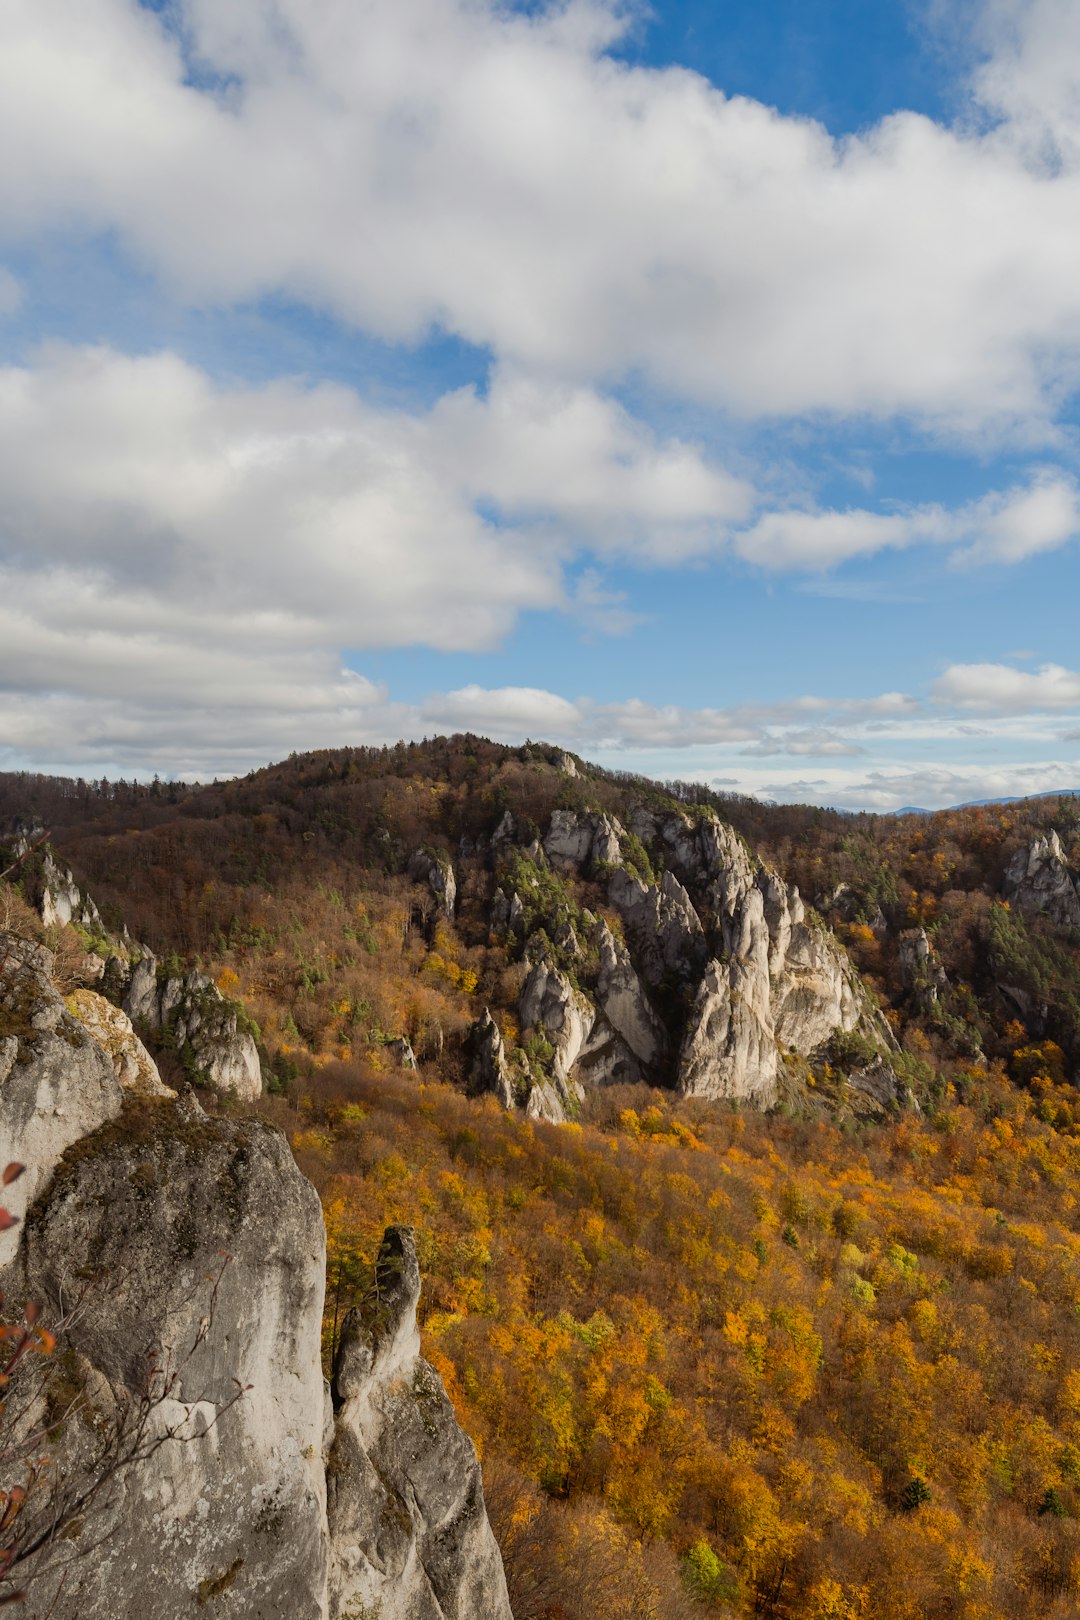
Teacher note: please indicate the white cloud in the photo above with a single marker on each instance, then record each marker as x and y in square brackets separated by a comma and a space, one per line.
[406, 162]
[998, 688]
[141, 497]
[1004, 526]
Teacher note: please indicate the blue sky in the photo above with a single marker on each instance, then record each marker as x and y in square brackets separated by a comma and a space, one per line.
[693, 386]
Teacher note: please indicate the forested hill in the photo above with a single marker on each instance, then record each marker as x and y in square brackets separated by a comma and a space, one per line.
[783, 1317]
[252, 875]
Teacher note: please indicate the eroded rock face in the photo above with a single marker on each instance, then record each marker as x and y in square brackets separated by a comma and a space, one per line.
[742, 970]
[550, 1003]
[192, 1010]
[1039, 880]
[112, 1029]
[669, 941]
[409, 1535]
[729, 1050]
[57, 1083]
[194, 1244]
[625, 1004]
[488, 1069]
[921, 969]
[146, 1209]
[583, 842]
[438, 873]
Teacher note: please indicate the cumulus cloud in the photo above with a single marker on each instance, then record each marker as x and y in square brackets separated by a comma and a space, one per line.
[460, 162]
[1004, 690]
[140, 494]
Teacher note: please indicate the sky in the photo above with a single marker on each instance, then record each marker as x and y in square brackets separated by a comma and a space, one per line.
[696, 386]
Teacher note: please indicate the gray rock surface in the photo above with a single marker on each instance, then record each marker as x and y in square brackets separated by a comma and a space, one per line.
[754, 972]
[921, 969]
[1038, 880]
[577, 842]
[57, 1084]
[191, 1010]
[488, 1070]
[145, 1210]
[669, 941]
[409, 1535]
[438, 873]
[112, 1029]
[625, 1003]
[194, 1246]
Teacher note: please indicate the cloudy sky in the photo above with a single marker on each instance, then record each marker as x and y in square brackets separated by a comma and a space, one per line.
[695, 386]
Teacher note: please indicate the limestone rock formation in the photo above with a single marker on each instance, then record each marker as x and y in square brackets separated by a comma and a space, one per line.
[191, 1011]
[409, 1536]
[550, 1003]
[145, 1210]
[195, 1251]
[921, 969]
[488, 1070]
[1038, 880]
[112, 1029]
[57, 1084]
[583, 842]
[438, 873]
[743, 970]
[624, 1002]
[668, 938]
[729, 1050]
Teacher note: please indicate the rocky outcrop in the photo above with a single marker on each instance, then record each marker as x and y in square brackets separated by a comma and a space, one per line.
[549, 1003]
[577, 842]
[143, 1213]
[488, 1072]
[113, 1031]
[743, 971]
[222, 1474]
[57, 1084]
[437, 872]
[669, 941]
[190, 1012]
[921, 970]
[1038, 880]
[409, 1536]
[729, 1050]
[625, 1003]
[50, 885]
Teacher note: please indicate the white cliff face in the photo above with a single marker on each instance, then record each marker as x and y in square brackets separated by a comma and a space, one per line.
[57, 1084]
[921, 969]
[550, 1003]
[624, 1002]
[489, 1071]
[669, 941]
[726, 937]
[730, 1046]
[147, 1211]
[1039, 880]
[574, 841]
[409, 1536]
